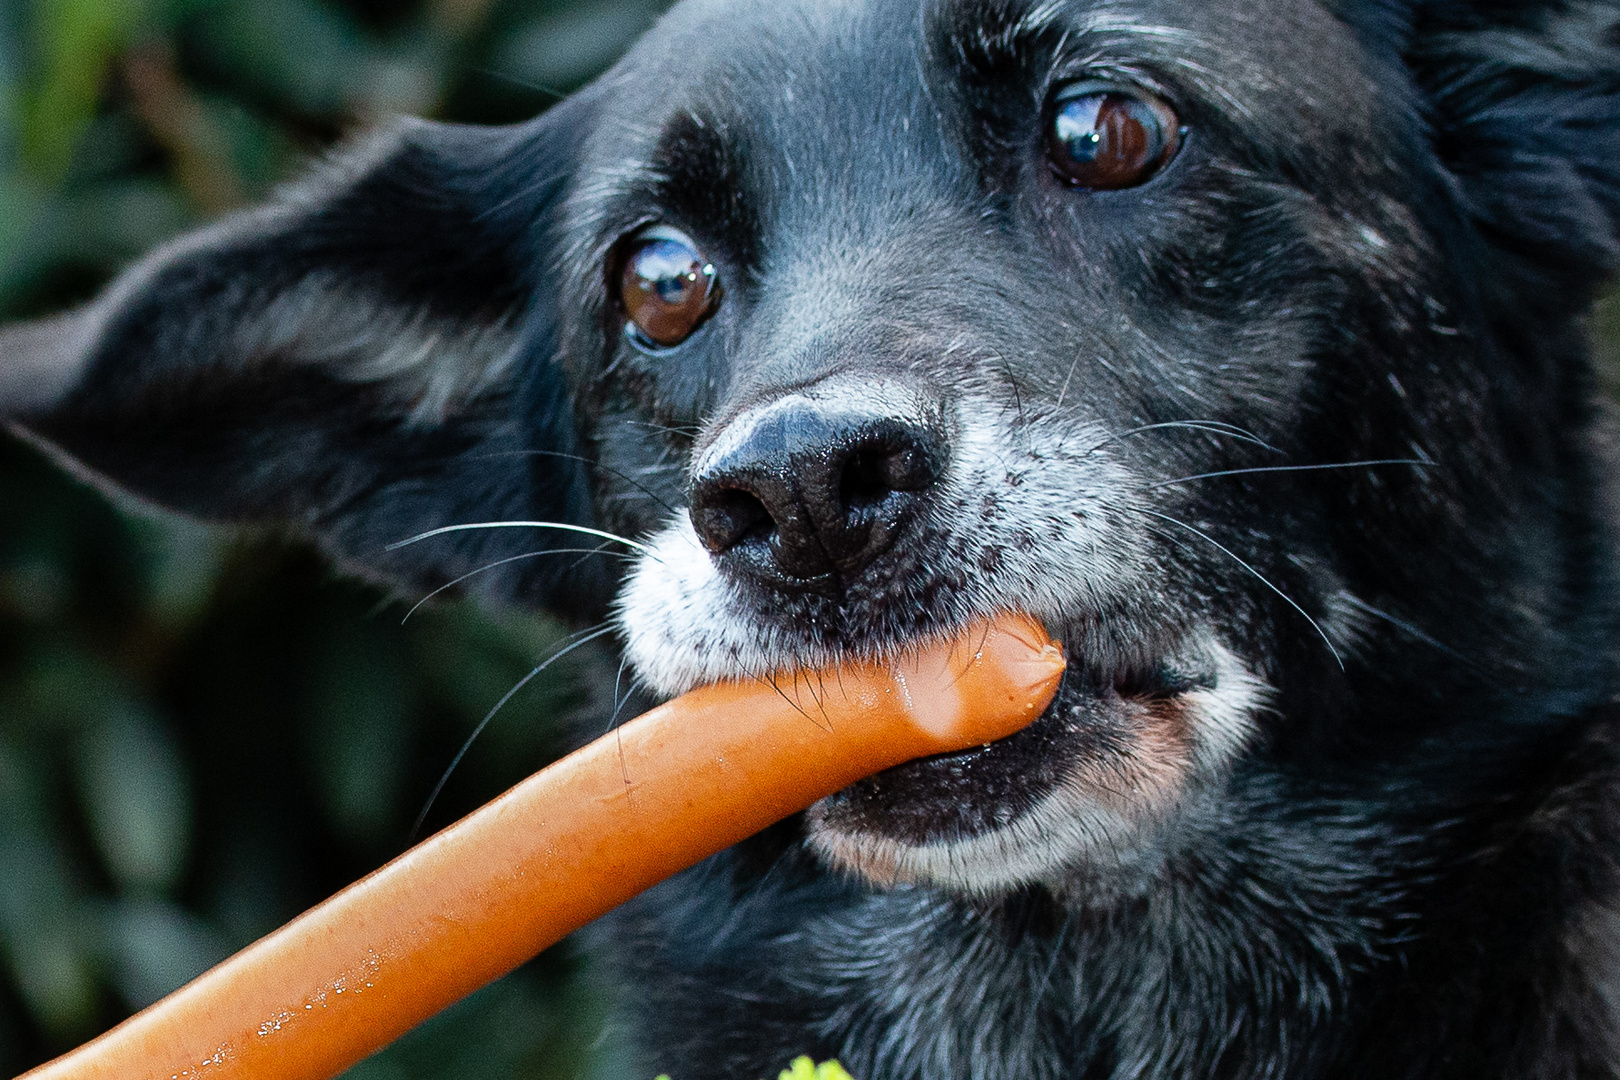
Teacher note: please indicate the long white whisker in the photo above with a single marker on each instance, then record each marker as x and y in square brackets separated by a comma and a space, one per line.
[588, 462]
[1213, 427]
[1258, 575]
[591, 634]
[559, 525]
[688, 432]
[619, 702]
[1063, 393]
[1404, 626]
[1285, 468]
[502, 562]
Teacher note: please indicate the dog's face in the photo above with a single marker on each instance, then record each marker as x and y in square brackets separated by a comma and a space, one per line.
[977, 296]
[1175, 324]
[987, 282]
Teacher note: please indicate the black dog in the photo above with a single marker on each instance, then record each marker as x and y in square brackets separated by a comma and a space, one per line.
[1241, 341]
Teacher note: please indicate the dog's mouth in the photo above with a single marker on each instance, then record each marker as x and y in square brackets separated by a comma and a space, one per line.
[1113, 755]
[1095, 723]
[1151, 710]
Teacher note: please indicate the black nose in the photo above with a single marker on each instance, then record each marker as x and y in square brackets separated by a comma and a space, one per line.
[800, 492]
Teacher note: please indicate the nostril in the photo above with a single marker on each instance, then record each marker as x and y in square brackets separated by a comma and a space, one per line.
[878, 469]
[862, 483]
[725, 517]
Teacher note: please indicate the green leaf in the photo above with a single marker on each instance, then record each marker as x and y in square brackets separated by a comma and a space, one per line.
[76, 41]
[42, 939]
[136, 797]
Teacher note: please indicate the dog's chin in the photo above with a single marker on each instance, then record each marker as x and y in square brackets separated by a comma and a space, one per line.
[1079, 801]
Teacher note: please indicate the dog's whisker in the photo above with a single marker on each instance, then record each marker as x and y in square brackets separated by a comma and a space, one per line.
[1286, 468]
[1064, 392]
[1212, 427]
[1257, 574]
[591, 462]
[618, 702]
[770, 680]
[559, 525]
[518, 80]
[690, 431]
[590, 634]
[1012, 383]
[1050, 969]
[1402, 625]
[585, 553]
[453, 582]
[1170, 538]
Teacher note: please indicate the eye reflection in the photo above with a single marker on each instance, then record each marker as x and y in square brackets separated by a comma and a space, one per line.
[1105, 139]
[666, 287]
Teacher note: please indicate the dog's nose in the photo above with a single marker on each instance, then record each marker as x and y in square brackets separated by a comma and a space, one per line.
[802, 492]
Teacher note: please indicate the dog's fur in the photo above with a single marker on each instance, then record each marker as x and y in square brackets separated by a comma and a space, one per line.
[1329, 790]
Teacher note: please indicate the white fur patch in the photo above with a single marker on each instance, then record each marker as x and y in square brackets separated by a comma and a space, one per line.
[432, 366]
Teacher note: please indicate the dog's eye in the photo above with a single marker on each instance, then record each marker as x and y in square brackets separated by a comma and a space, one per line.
[1105, 138]
[666, 287]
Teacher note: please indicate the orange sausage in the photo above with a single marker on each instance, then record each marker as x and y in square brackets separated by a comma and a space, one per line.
[575, 840]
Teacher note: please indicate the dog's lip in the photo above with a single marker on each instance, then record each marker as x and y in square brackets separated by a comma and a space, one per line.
[990, 786]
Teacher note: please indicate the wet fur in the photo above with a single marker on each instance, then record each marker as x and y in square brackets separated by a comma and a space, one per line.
[1397, 859]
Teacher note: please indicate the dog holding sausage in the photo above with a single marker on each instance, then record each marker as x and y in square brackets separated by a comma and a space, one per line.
[1242, 342]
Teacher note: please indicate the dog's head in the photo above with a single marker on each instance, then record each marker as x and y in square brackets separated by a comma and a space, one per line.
[1236, 341]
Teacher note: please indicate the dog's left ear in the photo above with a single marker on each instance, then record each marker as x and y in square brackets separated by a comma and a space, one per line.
[369, 358]
[1525, 100]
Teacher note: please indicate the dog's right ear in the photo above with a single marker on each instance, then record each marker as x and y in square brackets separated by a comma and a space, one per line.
[369, 358]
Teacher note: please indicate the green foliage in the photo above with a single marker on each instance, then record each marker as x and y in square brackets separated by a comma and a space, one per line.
[805, 1068]
[201, 734]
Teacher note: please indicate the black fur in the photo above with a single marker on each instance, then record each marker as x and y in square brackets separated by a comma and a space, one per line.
[1378, 243]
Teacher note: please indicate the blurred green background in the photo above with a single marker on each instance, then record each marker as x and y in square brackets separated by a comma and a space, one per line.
[201, 734]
